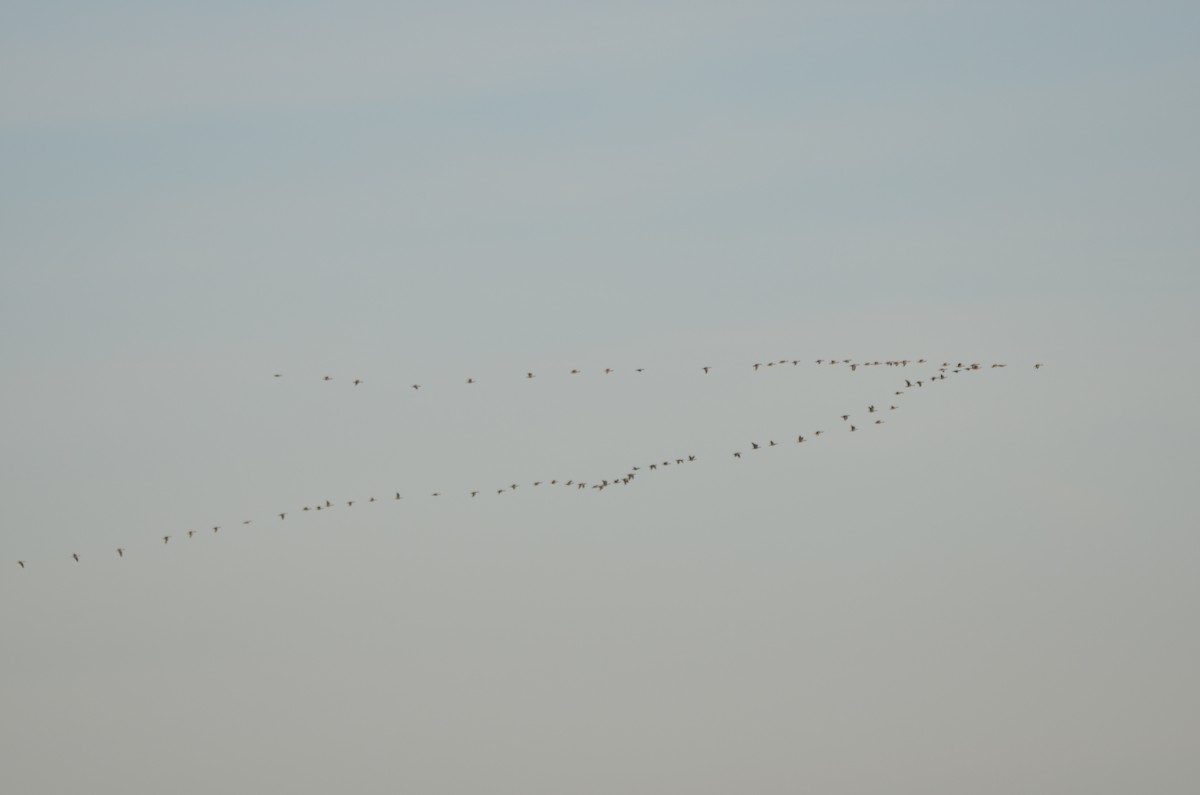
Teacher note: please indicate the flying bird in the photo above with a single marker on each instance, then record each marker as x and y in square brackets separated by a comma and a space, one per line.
[166, 539]
[357, 381]
[74, 555]
[706, 369]
[282, 515]
[21, 563]
[416, 386]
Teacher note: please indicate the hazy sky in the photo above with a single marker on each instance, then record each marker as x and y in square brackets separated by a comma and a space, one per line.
[994, 592]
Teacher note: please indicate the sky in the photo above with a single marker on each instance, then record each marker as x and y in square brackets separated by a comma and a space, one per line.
[995, 591]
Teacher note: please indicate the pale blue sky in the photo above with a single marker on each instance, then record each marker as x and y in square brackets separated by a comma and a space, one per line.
[994, 593]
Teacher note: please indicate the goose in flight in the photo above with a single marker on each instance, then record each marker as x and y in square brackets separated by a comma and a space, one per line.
[357, 381]
[754, 445]
[607, 370]
[799, 440]
[191, 533]
[845, 417]
[327, 378]
[283, 515]
[470, 380]
[757, 365]
[737, 455]
[120, 552]
[349, 503]
[21, 563]
[215, 529]
[166, 539]
[74, 555]
[437, 494]
[397, 495]
[870, 409]
[279, 375]
[640, 369]
[528, 376]
[852, 428]
[474, 493]
[691, 458]
[246, 521]
[706, 369]
[416, 386]
[574, 372]
[1038, 366]
[771, 443]
[818, 433]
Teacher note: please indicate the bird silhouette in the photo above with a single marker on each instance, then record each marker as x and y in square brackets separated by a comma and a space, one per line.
[357, 381]
[470, 380]
[166, 539]
[75, 556]
[706, 369]
[21, 563]
[326, 378]
[528, 375]
[284, 515]
[191, 533]
[416, 386]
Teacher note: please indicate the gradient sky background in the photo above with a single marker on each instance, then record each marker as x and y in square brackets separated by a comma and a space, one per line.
[995, 592]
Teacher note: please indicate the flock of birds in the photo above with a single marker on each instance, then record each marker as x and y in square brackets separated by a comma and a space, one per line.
[873, 416]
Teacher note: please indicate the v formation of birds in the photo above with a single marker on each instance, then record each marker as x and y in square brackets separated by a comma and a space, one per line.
[867, 416]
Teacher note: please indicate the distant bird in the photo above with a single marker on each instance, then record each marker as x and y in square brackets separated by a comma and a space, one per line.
[799, 440]
[891, 408]
[574, 372]
[870, 409]
[691, 458]
[326, 378]
[853, 428]
[246, 521]
[474, 493]
[191, 533]
[470, 380]
[350, 503]
[706, 369]
[437, 494]
[754, 445]
[737, 455]
[537, 482]
[21, 563]
[818, 433]
[528, 375]
[845, 416]
[757, 365]
[397, 495]
[879, 422]
[279, 375]
[371, 500]
[513, 487]
[166, 539]
[215, 529]
[416, 386]
[771, 443]
[908, 383]
[328, 504]
[283, 515]
[640, 369]
[607, 370]
[74, 555]
[357, 381]
[1038, 366]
